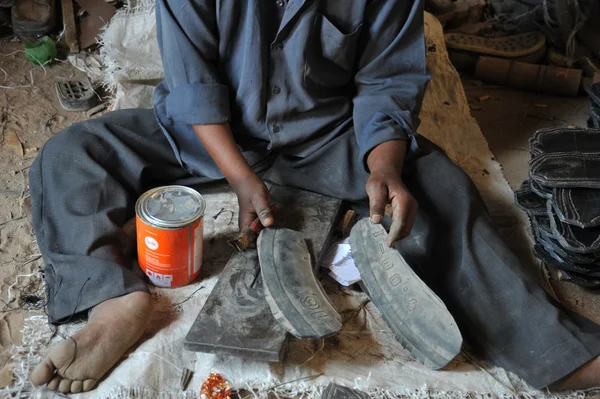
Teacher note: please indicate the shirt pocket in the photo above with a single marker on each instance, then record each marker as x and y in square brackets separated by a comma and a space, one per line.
[331, 60]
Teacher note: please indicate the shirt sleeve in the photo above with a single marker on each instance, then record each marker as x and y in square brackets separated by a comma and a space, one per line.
[188, 41]
[392, 74]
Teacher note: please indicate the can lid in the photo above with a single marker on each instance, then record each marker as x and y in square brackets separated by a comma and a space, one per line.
[171, 206]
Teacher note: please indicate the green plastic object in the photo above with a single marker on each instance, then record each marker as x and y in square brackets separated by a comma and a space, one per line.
[41, 51]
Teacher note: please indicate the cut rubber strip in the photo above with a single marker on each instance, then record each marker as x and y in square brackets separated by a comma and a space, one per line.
[417, 316]
[291, 289]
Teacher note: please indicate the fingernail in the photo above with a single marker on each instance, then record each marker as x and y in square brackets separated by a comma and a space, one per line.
[376, 218]
[265, 213]
[390, 242]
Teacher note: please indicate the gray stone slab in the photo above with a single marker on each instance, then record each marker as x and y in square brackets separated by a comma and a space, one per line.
[236, 319]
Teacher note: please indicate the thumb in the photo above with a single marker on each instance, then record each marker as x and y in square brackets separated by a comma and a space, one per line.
[378, 195]
[262, 206]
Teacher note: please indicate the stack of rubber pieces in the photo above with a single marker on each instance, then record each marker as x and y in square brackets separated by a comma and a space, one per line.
[594, 93]
[562, 198]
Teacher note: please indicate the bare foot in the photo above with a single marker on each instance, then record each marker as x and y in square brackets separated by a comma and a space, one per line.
[77, 364]
[587, 376]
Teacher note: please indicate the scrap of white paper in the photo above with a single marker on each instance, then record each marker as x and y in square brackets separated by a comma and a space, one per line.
[341, 264]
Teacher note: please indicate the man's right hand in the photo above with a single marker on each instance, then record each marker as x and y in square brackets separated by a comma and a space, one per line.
[254, 200]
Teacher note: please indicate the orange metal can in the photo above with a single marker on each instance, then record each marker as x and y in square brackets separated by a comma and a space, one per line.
[169, 230]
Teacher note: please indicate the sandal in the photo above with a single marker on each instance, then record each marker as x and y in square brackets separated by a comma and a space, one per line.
[506, 47]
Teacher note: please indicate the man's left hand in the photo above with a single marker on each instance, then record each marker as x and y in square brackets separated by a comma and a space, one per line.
[385, 186]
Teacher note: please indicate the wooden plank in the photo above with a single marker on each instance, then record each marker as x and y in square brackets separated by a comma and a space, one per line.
[236, 319]
[68, 15]
[100, 13]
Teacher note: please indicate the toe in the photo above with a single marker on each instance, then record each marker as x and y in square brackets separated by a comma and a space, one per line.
[77, 386]
[43, 372]
[65, 386]
[53, 385]
[88, 385]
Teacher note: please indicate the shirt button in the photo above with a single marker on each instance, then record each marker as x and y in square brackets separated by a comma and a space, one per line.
[276, 89]
[280, 3]
[276, 128]
[279, 46]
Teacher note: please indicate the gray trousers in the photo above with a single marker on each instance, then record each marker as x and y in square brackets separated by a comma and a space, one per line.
[86, 179]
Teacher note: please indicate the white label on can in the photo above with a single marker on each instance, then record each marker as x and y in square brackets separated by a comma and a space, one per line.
[198, 248]
[160, 280]
[151, 243]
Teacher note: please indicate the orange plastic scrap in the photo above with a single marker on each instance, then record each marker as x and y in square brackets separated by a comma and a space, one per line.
[215, 387]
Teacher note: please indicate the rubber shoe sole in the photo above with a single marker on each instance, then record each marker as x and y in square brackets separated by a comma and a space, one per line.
[335, 391]
[291, 289]
[416, 315]
[513, 46]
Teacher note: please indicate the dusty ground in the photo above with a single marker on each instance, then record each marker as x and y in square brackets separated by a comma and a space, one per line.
[32, 112]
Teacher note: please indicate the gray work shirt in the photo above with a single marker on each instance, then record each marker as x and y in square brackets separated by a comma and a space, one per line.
[333, 67]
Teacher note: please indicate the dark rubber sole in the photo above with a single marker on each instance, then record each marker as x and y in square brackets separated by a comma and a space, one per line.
[335, 391]
[418, 318]
[530, 202]
[291, 289]
[75, 95]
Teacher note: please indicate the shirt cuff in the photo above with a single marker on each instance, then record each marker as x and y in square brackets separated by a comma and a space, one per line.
[386, 127]
[199, 104]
